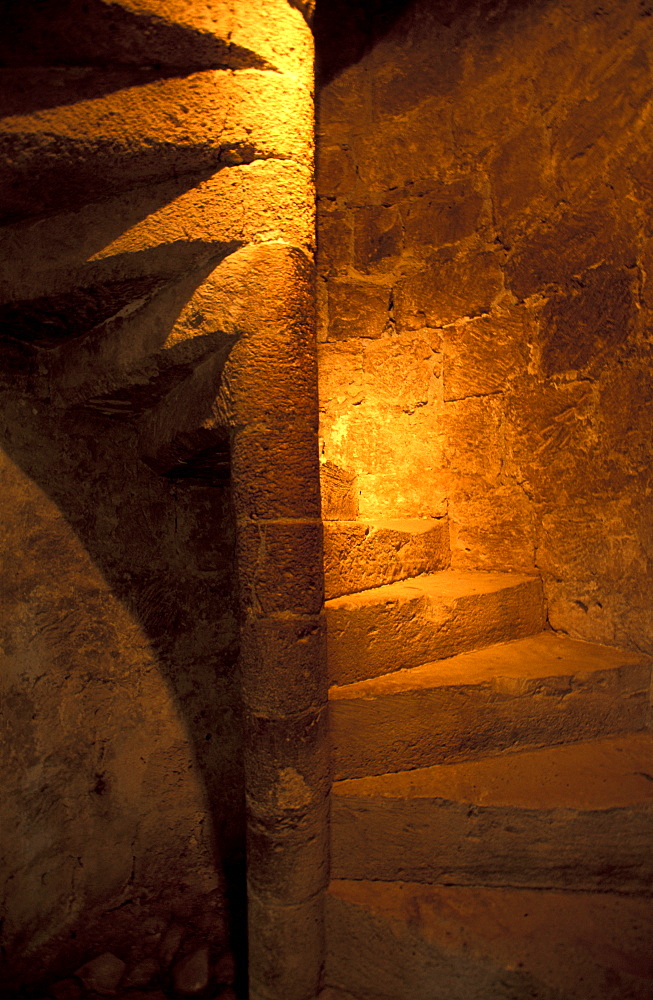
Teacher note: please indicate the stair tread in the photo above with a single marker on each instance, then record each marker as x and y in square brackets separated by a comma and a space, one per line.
[600, 774]
[543, 655]
[445, 585]
[399, 938]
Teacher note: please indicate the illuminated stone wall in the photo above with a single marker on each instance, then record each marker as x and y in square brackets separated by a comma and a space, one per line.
[157, 165]
[485, 196]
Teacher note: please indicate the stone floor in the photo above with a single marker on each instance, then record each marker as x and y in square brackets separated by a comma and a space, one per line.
[169, 962]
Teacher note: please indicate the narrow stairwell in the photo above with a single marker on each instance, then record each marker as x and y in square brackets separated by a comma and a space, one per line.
[492, 811]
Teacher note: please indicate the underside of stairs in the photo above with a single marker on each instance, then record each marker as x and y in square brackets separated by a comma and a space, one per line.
[492, 810]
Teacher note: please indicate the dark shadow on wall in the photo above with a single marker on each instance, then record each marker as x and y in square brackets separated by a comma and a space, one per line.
[117, 431]
[347, 30]
[160, 531]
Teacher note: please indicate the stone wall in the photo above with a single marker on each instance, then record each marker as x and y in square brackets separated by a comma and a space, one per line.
[486, 267]
[147, 146]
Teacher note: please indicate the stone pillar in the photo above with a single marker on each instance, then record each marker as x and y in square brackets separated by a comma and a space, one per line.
[270, 392]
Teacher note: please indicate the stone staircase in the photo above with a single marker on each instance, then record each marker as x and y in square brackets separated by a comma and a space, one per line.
[492, 810]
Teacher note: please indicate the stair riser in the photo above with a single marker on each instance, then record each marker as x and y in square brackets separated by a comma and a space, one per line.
[377, 638]
[370, 958]
[402, 941]
[358, 556]
[395, 732]
[454, 843]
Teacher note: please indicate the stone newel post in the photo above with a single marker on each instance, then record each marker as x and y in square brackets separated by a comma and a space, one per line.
[272, 393]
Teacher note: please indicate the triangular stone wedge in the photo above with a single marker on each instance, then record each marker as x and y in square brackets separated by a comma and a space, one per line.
[429, 617]
[542, 690]
[403, 941]
[363, 554]
[568, 817]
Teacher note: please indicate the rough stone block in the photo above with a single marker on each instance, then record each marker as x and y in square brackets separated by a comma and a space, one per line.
[550, 438]
[387, 495]
[264, 294]
[339, 493]
[473, 440]
[408, 623]
[490, 527]
[592, 570]
[167, 35]
[290, 861]
[576, 546]
[357, 309]
[626, 407]
[440, 215]
[120, 36]
[276, 31]
[448, 289]
[377, 235]
[375, 437]
[286, 949]
[102, 974]
[553, 253]
[336, 174]
[335, 238]
[413, 76]
[521, 176]
[591, 128]
[341, 103]
[264, 200]
[277, 471]
[272, 376]
[482, 356]
[488, 109]
[139, 975]
[429, 127]
[399, 370]
[340, 366]
[583, 329]
[359, 555]
[283, 664]
[281, 566]
[287, 766]
[191, 974]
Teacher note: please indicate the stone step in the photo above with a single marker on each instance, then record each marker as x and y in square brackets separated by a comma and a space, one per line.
[539, 691]
[568, 817]
[359, 555]
[426, 618]
[405, 941]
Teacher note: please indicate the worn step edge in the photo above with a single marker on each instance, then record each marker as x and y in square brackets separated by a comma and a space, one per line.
[430, 617]
[539, 691]
[577, 816]
[415, 942]
[360, 555]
